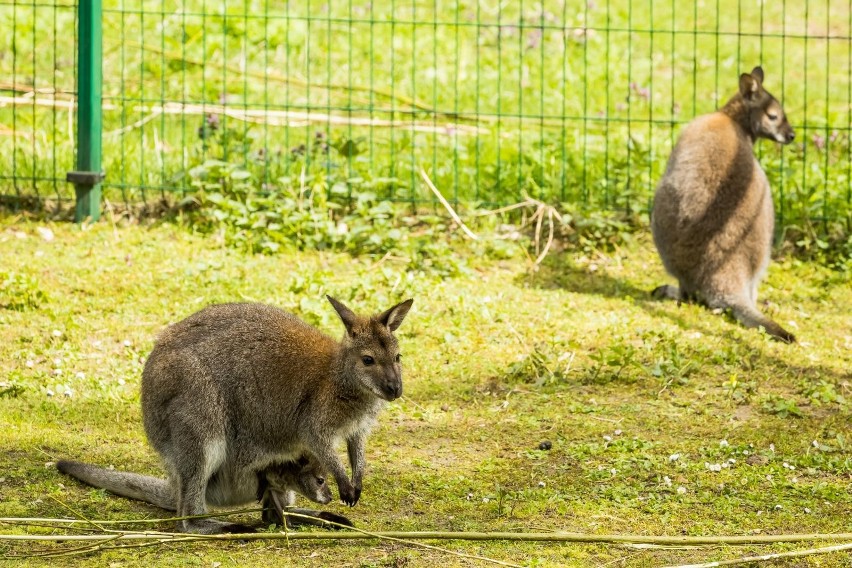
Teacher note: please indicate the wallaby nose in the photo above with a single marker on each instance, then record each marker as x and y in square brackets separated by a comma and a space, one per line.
[394, 390]
[790, 136]
[393, 384]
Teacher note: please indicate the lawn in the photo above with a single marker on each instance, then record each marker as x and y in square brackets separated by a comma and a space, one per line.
[663, 419]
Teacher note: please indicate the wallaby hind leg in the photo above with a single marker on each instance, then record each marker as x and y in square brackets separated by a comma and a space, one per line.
[192, 474]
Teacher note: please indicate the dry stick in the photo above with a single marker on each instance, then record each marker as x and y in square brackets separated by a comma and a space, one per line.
[257, 116]
[411, 543]
[276, 77]
[445, 535]
[763, 557]
[446, 205]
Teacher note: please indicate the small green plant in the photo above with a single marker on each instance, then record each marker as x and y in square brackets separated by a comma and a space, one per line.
[20, 292]
[739, 391]
[540, 367]
[612, 361]
[782, 407]
[823, 392]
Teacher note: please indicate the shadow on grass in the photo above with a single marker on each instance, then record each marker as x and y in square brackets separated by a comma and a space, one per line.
[560, 273]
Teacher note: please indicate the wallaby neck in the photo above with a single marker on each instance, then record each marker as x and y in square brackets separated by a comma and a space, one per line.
[737, 110]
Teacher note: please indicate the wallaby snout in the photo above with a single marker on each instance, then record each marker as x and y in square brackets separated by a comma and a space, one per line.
[393, 384]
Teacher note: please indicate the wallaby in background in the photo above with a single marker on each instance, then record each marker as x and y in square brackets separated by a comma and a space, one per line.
[235, 388]
[713, 217]
[274, 486]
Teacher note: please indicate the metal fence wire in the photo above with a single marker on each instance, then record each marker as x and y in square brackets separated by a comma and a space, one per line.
[566, 101]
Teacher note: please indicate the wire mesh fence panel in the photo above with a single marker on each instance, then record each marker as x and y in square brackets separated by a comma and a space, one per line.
[572, 101]
[37, 87]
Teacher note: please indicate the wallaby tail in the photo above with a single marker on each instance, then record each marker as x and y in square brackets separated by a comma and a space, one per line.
[750, 317]
[133, 485]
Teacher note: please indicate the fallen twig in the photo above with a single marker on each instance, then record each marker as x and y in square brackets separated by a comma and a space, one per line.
[775, 556]
[446, 205]
[442, 535]
[541, 209]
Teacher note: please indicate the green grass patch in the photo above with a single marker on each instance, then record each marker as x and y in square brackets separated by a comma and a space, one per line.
[662, 419]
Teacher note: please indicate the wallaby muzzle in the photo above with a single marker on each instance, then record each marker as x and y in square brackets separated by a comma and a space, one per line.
[392, 388]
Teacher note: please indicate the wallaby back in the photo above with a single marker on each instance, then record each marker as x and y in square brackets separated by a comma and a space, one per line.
[713, 218]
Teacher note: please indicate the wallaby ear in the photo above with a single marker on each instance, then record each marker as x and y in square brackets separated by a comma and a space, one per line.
[346, 315]
[394, 316]
[749, 86]
[757, 73]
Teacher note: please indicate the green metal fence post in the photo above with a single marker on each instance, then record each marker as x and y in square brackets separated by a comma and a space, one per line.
[87, 179]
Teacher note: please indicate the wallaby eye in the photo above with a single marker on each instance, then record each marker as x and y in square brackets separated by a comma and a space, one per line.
[772, 116]
[397, 358]
[367, 360]
[320, 481]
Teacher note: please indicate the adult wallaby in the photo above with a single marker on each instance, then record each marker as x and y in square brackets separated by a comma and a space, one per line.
[234, 388]
[713, 217]
[274, 486]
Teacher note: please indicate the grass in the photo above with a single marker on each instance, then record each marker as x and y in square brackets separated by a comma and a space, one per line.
[563, 100]
[662, 419]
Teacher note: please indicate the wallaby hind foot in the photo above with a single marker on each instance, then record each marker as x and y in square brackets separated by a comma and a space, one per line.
[666, 292]
[752, 318]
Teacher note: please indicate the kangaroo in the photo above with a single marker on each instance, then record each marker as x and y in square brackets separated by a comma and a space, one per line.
[235, 388]
[274, 486]
[713, 218]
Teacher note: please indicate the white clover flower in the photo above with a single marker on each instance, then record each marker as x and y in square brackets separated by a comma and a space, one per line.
[674, 457]
[723, 444]
[681, 490]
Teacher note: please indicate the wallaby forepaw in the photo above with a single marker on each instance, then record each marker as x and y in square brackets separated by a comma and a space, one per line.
[350, 495]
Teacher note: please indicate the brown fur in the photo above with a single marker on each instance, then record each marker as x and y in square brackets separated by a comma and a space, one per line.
[713, 217]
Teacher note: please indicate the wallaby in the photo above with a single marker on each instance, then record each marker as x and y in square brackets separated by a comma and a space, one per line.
[276, 489]
[713, 217]
[234, 388]
[274, 486]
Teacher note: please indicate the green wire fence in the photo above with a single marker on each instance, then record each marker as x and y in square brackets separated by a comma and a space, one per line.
[566, 101]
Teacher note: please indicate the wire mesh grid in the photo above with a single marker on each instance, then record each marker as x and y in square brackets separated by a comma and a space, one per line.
[569, 101]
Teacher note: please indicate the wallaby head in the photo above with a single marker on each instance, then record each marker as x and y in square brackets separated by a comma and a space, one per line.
[369, 350]
[766, 118]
